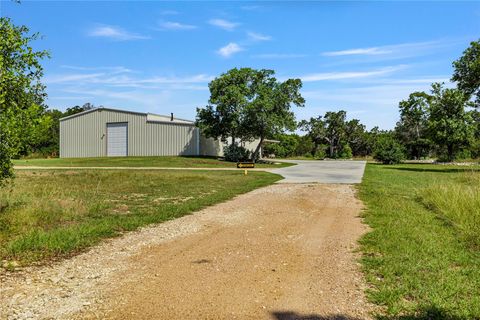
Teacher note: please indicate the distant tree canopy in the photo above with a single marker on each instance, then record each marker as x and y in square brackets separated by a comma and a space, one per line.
[47, 138]
[21, 93]
[335, 137]
[247, 104]
[411, 130]
[450, 125]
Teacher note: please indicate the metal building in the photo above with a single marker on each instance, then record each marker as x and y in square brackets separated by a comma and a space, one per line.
[105, 132]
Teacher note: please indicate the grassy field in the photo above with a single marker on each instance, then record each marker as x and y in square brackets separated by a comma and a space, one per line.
[55, 213]
[171, 162]
[422, 258]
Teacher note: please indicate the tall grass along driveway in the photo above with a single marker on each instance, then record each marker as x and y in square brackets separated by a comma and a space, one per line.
[422, 258]
[48, 214]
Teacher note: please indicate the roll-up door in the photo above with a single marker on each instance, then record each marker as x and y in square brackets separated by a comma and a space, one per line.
[117, 139]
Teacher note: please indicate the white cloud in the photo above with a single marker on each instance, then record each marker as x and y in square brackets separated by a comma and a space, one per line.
[349, 74]
[429, 80]
[402, 50]
[279, 55]
[229, 50]
[258, 36]
[199, 78]
[115, 78]
[169, 12]
[114, 69]
[115, 33]
[224, 24]
[171, 25]
[360, 51]
[72, 77]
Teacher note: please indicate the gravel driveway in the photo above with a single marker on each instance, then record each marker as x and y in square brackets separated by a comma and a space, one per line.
[281, 252]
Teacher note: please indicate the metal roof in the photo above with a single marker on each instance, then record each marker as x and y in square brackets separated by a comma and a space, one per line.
[125, 111]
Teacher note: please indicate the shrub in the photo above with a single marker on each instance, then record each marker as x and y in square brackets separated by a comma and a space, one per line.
[388, 150]
[235, 153]
[274, 149]
[305, 145]
[346, 152]
[286, 147]
[320, 154]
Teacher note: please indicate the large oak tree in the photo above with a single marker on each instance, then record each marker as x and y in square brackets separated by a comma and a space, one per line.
[248, 104]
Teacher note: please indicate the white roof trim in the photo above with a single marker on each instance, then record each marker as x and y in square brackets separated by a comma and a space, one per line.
[151, 117]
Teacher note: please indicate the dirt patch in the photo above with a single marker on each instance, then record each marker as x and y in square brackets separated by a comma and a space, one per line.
[280, 252]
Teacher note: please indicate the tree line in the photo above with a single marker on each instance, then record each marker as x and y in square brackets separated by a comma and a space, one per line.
[247, 104]
[27, 126]
[43, 140]
[443, 123]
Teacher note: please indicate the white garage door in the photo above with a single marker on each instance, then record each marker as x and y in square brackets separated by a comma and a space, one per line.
[117, 139]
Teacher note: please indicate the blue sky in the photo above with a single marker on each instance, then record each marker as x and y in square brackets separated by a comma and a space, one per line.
[362, 57]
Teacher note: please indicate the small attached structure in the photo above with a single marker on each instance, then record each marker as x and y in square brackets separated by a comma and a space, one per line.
[105, 132]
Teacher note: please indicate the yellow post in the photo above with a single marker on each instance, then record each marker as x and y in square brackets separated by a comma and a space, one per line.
[246, 171]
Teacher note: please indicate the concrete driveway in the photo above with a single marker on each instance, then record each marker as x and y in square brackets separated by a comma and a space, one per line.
[327, 171]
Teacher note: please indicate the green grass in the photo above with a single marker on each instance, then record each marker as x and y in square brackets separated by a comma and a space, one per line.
[422, 257]
[50, 214]
[171, 162]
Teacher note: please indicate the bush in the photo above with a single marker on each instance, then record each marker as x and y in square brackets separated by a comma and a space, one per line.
[274, 149]
[305, 145]
[285, 148]
[236, 153]
[388, 150]
[320, 154]
[346, 152]
[6, 166]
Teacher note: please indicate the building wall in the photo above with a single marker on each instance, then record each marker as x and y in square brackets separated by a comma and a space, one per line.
[212, 147]
[85, 135]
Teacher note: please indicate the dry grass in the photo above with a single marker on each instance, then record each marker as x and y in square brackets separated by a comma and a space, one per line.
[55, 213]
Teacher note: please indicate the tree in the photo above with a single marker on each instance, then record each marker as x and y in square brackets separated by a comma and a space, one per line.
[286, 147]
[335, 128]
[475, 148]
[411, 130]
[467, 71]
[316, 130]
[77, 109]
[229, 95]
[371, 139]
[356, 137]
[21, 92]
[344, 138]
[269, 113]
[387, 149]
[450, 124]
[305, 146]
[248, 104]
[44, 138]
